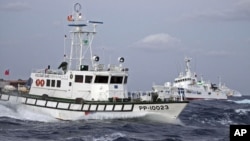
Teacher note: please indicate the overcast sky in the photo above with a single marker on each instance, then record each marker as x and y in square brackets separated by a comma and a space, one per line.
[154, 36]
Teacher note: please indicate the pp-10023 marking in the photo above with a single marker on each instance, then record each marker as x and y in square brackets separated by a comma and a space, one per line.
[160, 107]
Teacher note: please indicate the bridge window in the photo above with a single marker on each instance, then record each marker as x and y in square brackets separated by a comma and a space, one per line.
[53, 83]
[116, 80]
[101, 79]
[58, 83]
[79, 78]
[126, 79]
[88, 79]
[48, 82]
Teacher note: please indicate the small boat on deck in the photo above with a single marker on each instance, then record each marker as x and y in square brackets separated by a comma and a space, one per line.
[81, 87]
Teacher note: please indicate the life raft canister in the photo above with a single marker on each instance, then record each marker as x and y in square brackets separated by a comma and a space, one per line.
[38, 82]
[42, 82]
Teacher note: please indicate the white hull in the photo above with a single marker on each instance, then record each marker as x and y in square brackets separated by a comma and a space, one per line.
[192, 94]
[188, 86]
[72, 111]
[205, 96]
[82, 87]
[188, 94]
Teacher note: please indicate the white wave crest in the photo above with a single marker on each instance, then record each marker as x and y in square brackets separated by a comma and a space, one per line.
[105, 137]
[244, 101]
[127, 115]
[17, 111]
[111, 137]
[242, 111]
[118, 115]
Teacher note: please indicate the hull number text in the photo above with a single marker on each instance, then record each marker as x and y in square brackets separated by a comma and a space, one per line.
[161, 107]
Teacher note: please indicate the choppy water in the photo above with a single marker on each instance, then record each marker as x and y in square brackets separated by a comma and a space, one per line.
[206, 120]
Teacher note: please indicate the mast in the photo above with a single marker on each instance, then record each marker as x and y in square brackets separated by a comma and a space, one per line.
[188, 67]
[81, 37]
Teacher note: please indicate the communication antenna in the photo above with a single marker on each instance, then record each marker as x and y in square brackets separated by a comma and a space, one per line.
[81, 37]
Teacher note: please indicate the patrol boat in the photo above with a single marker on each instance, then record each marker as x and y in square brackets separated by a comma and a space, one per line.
[190, 87]
[81, 87]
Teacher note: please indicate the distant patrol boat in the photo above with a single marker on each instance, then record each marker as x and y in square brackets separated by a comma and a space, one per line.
[81, 87]
[190, 87]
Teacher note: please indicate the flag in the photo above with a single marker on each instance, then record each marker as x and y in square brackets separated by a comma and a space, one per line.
[7, 72]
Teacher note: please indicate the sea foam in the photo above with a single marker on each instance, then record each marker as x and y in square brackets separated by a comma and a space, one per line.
[17, 111]
[242, 111]
[244, 101]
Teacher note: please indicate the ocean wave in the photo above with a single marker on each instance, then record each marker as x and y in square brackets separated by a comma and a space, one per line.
[244, 101]
[242, 111]
[118, 115]
[107, 137]
[16, 111]
[110, 137]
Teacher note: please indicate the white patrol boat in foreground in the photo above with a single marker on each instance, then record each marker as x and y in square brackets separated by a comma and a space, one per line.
[82, 87]
[187, 85]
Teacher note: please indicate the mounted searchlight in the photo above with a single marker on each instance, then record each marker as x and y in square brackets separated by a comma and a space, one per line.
[96, 58]
[121, 59]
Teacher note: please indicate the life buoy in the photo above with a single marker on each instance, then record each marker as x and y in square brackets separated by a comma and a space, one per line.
[42, 82]
[38, 82]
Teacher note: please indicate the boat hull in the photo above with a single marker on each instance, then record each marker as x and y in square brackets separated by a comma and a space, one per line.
[205, 96]
[92, 110]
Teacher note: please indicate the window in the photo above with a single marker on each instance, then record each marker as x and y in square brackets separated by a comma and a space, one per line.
[101, 79]
[58, 83]
[116, 80]
[126, 79]
[88, 79]
[53, 83]
[79, 78]
[48, 82]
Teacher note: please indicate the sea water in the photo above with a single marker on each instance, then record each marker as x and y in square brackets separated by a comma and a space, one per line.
[201, 120]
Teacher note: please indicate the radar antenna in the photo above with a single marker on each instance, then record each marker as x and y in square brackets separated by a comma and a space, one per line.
[81, 37]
